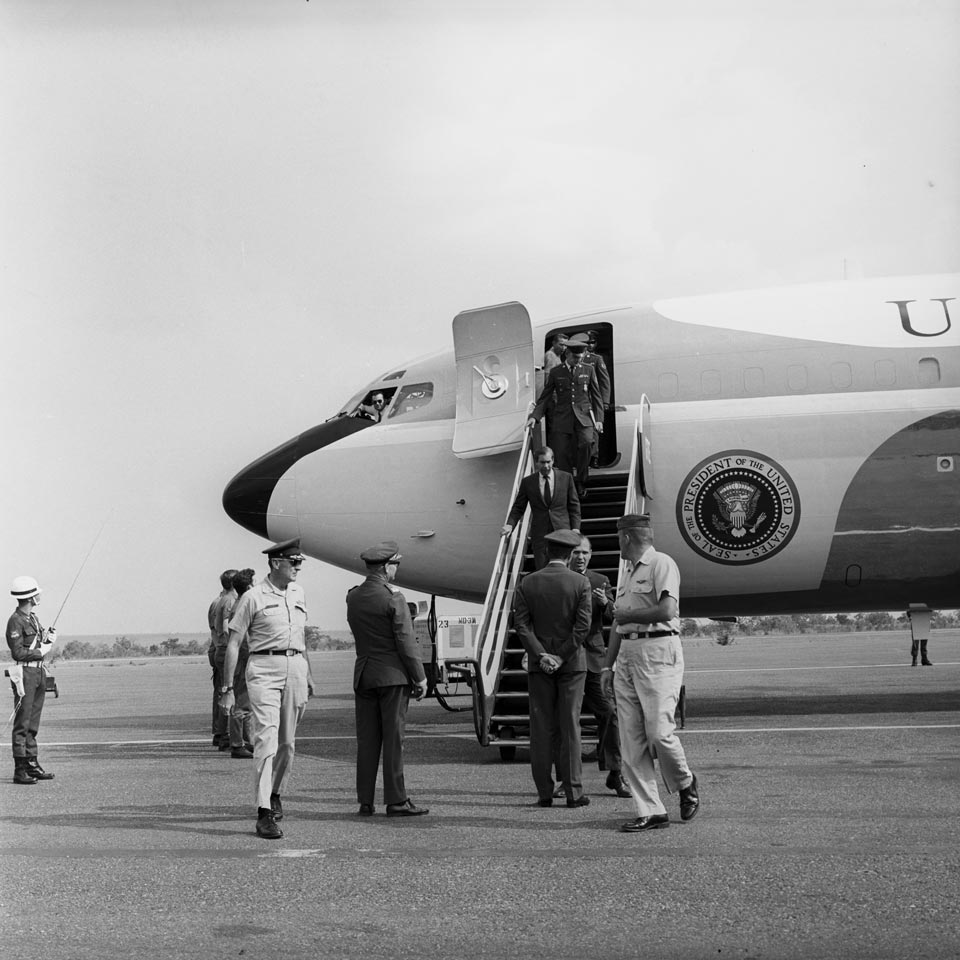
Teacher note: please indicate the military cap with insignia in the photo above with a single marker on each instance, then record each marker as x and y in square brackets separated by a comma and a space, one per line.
[576, 345]
[563, 538]
[287, 549]
[634, 520]
[381, 552]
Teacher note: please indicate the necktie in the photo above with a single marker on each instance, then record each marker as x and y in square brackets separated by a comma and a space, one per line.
[547, 496]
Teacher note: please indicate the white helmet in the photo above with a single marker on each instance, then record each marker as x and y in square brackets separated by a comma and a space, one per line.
[23, 588]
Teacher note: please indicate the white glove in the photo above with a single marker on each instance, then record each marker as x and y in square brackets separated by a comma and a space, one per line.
[50, 636]
[45, 648]
[15, 673]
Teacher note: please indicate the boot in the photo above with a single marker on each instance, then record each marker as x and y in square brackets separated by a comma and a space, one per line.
[37, 771]
[923, 654]
[914, 648]
[21, 772]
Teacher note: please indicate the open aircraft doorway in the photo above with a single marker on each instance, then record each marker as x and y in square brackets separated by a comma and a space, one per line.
[608, 454]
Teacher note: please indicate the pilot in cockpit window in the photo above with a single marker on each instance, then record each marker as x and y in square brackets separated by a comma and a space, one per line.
[372, 407]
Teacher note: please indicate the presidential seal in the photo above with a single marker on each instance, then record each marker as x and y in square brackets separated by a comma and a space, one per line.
[738, 507]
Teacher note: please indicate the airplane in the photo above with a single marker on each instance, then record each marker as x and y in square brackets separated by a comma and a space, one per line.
[798, 449]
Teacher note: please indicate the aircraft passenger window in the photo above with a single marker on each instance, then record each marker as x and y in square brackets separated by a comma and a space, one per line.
[885, 372]
[710, 383]
[669, 386]
[797, 376]
[929, 371]
[753, 381]
[842, 375]
[411, 397]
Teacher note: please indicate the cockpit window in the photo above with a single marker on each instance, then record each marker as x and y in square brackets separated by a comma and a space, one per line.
[411, 397]
[396, 375]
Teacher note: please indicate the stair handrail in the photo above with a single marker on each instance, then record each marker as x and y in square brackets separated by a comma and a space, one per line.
[493, 626]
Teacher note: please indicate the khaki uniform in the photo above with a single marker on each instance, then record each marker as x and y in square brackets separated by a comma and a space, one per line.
[274, 621]
[647, 685]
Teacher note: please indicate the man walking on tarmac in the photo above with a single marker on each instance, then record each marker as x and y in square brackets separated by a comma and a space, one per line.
[29, 643]
[645, 646]
[272, 615]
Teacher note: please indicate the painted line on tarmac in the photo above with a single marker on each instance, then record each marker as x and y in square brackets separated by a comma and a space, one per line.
[686, 732]
[596, 853]
[831, 667]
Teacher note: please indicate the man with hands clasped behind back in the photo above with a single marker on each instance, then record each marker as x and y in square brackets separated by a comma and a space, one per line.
[552, 609]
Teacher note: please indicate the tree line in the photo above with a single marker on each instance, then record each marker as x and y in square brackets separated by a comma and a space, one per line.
[172, 647]
[788, 624]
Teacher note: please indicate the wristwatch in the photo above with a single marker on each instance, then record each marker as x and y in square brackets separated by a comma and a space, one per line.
[224, 690]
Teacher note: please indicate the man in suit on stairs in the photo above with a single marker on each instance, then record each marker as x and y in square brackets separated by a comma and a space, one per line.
[554, 504]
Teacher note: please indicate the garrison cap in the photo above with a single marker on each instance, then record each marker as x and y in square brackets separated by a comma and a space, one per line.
[564, 538]
[633, 520]
[381, 552]
[285, 548]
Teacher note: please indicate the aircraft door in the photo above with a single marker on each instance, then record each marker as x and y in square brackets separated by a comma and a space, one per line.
[495, 379]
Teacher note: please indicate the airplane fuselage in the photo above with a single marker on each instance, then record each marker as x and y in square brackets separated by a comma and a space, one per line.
[804, 453]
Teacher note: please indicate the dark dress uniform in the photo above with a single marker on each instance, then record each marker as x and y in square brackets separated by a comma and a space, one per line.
[551, 614]
[388, 663]
[24, 635]
[577, 408]
[604, 708]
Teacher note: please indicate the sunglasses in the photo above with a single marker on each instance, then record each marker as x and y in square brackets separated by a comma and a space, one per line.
[293, 561]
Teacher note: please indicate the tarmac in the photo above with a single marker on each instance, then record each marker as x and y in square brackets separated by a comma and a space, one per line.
[829, 772]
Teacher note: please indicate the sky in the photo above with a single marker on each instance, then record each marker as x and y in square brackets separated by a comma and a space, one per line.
[220, 219]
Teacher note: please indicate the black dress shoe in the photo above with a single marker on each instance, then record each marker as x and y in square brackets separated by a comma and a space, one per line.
[616, 783]
[267, 826]
[654, 822]
[276, 807]
[689, 801]
[405, 809]
[581, 801]
[366, 810]
[38, 772]
[241, 753]
[542, 802]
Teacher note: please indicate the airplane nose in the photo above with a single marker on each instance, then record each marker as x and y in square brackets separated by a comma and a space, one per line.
[246, 498]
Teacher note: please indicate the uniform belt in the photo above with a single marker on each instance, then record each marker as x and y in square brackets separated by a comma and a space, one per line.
[652, 633]
[275, 653]
[30, 663]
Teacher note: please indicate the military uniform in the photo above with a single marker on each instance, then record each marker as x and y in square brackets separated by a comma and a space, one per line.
[576, 410]
[277, 673]
[647, 684]
[388, 664]
[218, 721]
[23, 638]
[551, 614]
[26, 639]
[239, 723]
[604, 708]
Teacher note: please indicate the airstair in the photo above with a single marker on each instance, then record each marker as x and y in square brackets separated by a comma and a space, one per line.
[499, 680]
